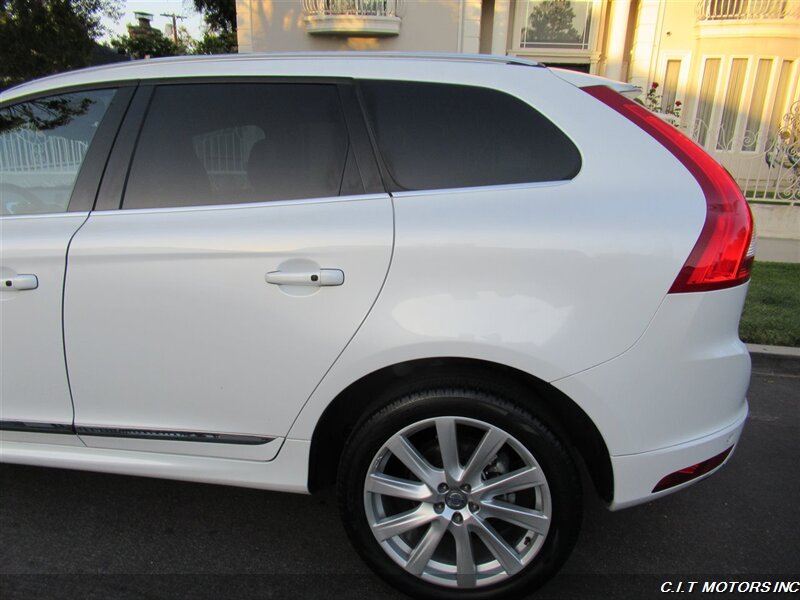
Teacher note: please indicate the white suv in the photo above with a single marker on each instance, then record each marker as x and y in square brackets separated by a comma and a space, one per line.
[446, 283]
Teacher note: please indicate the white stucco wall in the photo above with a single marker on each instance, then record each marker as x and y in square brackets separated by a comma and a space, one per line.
[427, 26]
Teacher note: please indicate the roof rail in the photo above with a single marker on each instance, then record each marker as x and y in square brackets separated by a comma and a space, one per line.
[434, 56]
[454, 57]
[446, 56]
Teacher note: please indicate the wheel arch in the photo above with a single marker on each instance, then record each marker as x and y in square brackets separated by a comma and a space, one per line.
[374, 390]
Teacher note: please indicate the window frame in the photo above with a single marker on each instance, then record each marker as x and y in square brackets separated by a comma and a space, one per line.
[112, 188]
[92, 169]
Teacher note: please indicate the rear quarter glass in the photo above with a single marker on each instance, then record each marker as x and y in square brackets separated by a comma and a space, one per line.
[437, 136]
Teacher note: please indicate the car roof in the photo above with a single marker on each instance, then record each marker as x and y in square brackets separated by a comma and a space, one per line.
[217, 65]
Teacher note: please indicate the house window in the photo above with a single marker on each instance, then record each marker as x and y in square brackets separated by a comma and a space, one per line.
[708, 87]
[730, 111]
[556, 24]
[779, 107]
[670, 89]
[753, 126]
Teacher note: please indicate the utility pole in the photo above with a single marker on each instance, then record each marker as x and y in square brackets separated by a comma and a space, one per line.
[174, 18]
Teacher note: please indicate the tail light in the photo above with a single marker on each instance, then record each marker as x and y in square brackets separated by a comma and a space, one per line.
[723, 255]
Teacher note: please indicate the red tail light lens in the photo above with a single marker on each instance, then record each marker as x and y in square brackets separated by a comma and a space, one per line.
[693, 472]
[723, 255]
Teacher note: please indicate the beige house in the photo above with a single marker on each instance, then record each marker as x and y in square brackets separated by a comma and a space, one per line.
[733, 65]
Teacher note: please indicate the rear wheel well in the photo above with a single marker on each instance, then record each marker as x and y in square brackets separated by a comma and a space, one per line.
[365, 396]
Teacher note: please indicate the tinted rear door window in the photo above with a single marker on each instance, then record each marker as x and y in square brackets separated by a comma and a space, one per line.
[435, 136]
[224, 143]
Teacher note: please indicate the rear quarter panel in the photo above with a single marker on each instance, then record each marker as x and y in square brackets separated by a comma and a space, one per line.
[551, 278]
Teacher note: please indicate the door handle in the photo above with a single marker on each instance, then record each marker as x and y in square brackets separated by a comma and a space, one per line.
[19, 283]
[321, 277]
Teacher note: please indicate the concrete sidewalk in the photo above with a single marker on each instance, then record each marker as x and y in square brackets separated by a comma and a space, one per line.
[777, 250]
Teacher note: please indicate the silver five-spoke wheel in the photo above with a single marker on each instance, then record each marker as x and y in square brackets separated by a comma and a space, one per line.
[458, 502]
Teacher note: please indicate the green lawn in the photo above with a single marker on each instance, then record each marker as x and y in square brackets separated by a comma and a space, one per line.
[772, 311]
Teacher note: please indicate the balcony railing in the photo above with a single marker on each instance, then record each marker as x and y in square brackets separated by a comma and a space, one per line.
[374, 8]
[739, 10]
[353, 17]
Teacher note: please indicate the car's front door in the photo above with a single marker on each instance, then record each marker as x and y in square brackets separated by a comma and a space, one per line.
[246, 254]
[52, 151]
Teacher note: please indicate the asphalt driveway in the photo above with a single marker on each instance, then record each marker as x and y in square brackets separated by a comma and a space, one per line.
[68, 534]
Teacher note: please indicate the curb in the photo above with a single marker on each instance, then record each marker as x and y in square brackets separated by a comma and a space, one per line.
[774, 360]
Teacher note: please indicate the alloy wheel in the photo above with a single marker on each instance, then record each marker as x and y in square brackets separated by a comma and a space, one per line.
[457, 502]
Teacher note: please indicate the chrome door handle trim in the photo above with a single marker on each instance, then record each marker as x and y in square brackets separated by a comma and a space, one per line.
[322, 277]
[19, 283]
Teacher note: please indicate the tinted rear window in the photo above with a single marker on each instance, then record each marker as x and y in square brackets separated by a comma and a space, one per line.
[214, 143]
[435, 136]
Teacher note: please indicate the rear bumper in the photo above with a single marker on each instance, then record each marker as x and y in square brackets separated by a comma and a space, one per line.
[635, 475]
[675, 398]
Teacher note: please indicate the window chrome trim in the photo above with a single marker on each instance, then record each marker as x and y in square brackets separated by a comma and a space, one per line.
[241, 205]
[482, 188]
[58, 215]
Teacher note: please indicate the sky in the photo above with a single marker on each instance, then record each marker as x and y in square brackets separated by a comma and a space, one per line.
[193, 23]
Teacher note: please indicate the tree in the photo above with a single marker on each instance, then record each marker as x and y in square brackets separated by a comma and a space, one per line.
[41, 37]
[220, 34]
[552, 21]
[91, 12]
[144, 42]
[219, 15]
[217, 43]
[44, 113]
[186, 43]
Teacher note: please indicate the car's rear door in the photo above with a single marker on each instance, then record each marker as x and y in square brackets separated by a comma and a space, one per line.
[53, 147]
[253, 237]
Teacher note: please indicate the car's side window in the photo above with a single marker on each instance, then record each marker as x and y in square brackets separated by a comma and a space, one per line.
[228, 143]
[43, 143]
[435, 136]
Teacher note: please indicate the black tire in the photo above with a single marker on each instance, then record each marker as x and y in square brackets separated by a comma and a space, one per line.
[470, 408]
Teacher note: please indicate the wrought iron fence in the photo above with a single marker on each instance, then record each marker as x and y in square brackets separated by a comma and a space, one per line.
[222, 151]
[766, 165]
[27, 151]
